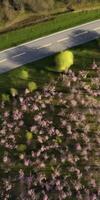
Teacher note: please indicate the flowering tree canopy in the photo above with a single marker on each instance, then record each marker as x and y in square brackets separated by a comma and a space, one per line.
[49, 140]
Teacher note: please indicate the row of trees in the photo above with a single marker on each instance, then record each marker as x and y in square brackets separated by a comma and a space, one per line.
[35, 5]
[9, 7]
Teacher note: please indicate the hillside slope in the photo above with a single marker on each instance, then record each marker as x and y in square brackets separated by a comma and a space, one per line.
[15, 14]
[10, 9]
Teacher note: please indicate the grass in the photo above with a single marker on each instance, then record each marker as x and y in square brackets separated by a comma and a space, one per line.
[60, 22]
[84, 56]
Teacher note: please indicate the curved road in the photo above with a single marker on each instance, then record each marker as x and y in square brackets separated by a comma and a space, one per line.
[36, 49]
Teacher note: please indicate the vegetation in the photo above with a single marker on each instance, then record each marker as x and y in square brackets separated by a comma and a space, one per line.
[49, 122]
[49, 138]
[61, 22]
[63, 61]
[36, 71]
[32, 86]
[11, 8]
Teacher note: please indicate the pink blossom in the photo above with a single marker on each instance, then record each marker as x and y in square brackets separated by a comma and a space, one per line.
[5, 159]
[45, 197]
[78, 147]
[26, 162]
[6, 114]
[93, 197]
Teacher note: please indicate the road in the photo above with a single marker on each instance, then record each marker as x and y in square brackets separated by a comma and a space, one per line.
[37, 49]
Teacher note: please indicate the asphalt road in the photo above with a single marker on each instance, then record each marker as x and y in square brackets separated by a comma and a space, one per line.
[36, 49]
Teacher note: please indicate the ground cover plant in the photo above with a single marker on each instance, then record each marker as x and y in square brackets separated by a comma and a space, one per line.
[49, 139]
[49, 130]
[60, 22]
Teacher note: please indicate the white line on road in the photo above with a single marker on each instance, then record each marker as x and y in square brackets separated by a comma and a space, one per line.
[47, 45]
[76, 35]
[19, 55]
[1, 61]
[61, 40]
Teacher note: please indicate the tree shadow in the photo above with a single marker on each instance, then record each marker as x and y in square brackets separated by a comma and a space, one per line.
[22, 55]
[81, 36]
[15, 65]
[84, 51]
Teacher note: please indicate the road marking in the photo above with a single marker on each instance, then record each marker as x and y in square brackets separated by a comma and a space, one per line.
[96, 28]
[1, 61]
[48, 36]
[61, 40]
[47, 45]
[19, 55]
[80, 34]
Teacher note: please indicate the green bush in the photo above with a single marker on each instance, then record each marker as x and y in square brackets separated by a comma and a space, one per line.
[24, 74]
[32, 86]
[63, 61]
[5, 97]
[21, 147]
[29, 135]
[13, 92]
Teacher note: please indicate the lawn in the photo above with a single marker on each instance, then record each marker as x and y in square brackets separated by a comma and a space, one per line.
[60, 22]
[49, 138]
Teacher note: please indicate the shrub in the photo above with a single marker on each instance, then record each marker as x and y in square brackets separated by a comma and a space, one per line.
[21, 147]
[64, 60]
[13, 92]
[29, 135]
[32, 86]
[5, 97]
[24, 74]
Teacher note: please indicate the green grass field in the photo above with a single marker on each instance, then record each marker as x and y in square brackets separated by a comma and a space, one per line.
[60, 22]
[84, 56]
